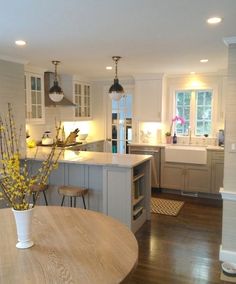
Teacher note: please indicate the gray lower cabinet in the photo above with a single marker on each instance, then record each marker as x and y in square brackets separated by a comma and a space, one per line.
[116, 190]
[217, 170]
[172, 176]
[197, 178]
[186, 177]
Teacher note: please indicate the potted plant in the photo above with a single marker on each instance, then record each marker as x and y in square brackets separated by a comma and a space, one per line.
[168, 133]
[168, 137]
[16, 179]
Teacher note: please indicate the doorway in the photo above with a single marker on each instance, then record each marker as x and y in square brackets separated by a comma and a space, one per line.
[121, 124]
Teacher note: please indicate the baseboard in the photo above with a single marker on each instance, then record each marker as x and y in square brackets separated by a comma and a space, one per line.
[227, 255]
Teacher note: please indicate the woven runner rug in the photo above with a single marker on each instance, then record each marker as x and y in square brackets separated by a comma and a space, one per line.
[166, 206]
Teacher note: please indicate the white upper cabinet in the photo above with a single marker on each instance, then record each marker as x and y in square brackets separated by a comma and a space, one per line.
[82, 100]
[76, 90]
[148, 97]
[34, 98]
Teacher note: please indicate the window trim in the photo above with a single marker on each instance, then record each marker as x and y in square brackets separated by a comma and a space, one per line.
[193, 106]
[171, 112]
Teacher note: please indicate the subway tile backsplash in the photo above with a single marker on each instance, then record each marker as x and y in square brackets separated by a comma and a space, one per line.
[203, 141]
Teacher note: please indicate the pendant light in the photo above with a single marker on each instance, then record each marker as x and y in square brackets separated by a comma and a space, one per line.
[55, 92]
[116, 91]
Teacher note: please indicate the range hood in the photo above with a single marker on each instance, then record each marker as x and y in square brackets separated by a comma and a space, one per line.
[48, 82]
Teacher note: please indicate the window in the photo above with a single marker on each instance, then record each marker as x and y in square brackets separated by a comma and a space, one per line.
[196, 108]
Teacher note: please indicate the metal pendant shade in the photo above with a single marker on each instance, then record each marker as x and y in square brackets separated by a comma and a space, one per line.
[116, 91]
[55, 92]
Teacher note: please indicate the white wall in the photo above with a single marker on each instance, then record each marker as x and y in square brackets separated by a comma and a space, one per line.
[217, 82]
[12, 91]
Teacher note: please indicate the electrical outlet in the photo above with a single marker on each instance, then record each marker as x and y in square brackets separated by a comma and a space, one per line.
[233, 147]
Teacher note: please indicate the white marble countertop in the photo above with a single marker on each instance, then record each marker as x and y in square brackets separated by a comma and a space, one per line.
[89, 158]
[86, 142]
[163, 145]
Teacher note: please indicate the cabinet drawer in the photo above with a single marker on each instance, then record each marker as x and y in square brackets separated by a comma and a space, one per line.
[217, 155]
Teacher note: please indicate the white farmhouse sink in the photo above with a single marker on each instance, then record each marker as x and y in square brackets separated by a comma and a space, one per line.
[186, 154]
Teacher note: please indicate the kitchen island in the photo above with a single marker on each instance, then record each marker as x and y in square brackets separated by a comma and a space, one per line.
[119, 184]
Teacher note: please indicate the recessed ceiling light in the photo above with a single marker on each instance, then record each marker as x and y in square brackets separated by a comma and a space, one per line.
[204, 60]
[109, 67]
[20, 42]
[214, 20]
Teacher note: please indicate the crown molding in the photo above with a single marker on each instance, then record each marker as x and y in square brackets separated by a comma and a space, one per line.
[154, 76]
[13, 59]
[34, 69]
[229, 40]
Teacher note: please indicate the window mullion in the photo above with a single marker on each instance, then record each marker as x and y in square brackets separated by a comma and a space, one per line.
[192, 111]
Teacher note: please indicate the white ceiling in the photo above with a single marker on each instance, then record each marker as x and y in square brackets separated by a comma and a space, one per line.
[152, 36]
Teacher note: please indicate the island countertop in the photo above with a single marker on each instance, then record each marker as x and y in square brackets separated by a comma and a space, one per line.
[163, 145]
[89, 158]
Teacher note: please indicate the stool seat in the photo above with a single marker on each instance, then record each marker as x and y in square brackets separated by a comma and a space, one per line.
[72, 191]
[37, 188]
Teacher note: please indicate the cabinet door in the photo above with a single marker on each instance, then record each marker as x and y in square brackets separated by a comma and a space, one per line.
[82, 99]
[34, 94]
[148, 100]
[172, 176]
[197, 179]
[217, 175]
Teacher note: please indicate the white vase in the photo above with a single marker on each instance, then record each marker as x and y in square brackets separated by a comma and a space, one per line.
[23, 219]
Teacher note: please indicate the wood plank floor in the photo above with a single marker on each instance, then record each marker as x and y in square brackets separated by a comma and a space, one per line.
[182, 249]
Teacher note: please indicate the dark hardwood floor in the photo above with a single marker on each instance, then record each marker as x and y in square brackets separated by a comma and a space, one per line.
[182, 249]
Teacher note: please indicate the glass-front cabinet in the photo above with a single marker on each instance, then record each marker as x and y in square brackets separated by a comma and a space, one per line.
[34, 98]
[82, 99]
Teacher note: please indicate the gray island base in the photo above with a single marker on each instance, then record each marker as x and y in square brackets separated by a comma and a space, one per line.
[119, 184]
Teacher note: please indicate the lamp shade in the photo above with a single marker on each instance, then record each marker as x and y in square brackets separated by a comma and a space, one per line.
[55, 92]
[116, 90]
[116, 87]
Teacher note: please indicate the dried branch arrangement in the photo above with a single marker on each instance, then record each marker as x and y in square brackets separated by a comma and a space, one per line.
[16, 178]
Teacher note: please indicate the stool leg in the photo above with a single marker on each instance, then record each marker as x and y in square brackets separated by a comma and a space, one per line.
[44, 194]
[33, 198]
[74, 201]
[62, 201]
[71, 201]
[84, 202]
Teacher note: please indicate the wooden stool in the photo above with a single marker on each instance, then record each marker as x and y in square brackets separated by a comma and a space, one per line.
[72, 191]
[37, 188]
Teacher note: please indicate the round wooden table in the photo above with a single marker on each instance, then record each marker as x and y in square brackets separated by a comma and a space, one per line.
[72, 245]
